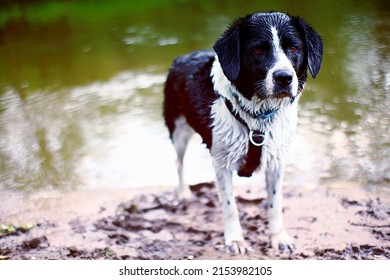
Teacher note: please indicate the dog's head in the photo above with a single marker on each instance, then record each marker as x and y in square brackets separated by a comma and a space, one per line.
[266, 55]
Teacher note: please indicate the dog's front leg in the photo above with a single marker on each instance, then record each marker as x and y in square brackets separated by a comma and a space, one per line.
[234, 240]
[280, 239]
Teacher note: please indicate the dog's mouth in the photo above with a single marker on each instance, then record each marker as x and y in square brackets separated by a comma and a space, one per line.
[282, 94]
[277, 95]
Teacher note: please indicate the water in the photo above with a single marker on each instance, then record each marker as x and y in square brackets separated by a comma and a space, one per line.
[81, 90]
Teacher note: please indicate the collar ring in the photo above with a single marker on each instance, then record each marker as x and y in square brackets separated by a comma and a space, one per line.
[257, 138]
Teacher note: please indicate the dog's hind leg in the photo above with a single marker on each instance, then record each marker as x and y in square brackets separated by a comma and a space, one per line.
[180, 137]
[280, 240]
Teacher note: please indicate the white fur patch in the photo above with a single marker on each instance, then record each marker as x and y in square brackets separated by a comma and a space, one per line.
[181, 135]
[230, 138]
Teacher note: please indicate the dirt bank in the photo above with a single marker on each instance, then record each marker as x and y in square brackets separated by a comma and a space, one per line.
[328, 224]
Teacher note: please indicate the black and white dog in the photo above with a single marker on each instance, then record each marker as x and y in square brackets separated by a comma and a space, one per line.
[243, 99]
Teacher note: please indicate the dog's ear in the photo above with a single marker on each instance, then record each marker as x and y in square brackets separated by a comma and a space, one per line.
[228, 49]
[314, 45]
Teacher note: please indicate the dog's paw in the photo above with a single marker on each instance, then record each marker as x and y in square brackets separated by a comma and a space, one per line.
[238, 247]
[282, 242]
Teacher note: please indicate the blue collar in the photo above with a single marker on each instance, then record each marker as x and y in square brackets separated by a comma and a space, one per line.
[257, 115]
[267, 114]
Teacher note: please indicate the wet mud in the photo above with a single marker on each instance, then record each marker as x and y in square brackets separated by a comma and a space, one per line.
[155, 225]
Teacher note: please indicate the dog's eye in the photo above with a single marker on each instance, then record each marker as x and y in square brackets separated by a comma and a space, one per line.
[293, 49]
[259, 51]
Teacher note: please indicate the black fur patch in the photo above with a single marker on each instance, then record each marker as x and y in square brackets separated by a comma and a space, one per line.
[189, 92]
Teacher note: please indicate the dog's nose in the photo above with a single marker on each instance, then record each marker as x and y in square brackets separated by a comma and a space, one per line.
[282, 77]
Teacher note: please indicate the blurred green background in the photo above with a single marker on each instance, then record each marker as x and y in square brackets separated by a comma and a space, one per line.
[81, 84]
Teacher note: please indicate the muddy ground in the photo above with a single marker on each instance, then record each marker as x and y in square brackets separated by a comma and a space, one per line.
[325, 224]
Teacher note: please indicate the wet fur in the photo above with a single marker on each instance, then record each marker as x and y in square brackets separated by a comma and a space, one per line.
[260, 63]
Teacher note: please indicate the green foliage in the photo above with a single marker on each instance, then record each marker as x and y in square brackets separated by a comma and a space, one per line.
[50, 11]
[10, 229]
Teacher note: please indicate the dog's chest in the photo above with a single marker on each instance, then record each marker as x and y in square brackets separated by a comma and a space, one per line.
[231, 138]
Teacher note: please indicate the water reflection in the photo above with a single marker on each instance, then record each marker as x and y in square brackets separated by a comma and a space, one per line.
[371, 135]
[80, 95]
[44, 137]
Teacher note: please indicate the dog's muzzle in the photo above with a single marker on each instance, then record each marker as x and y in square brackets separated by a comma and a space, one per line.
[282, 81]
